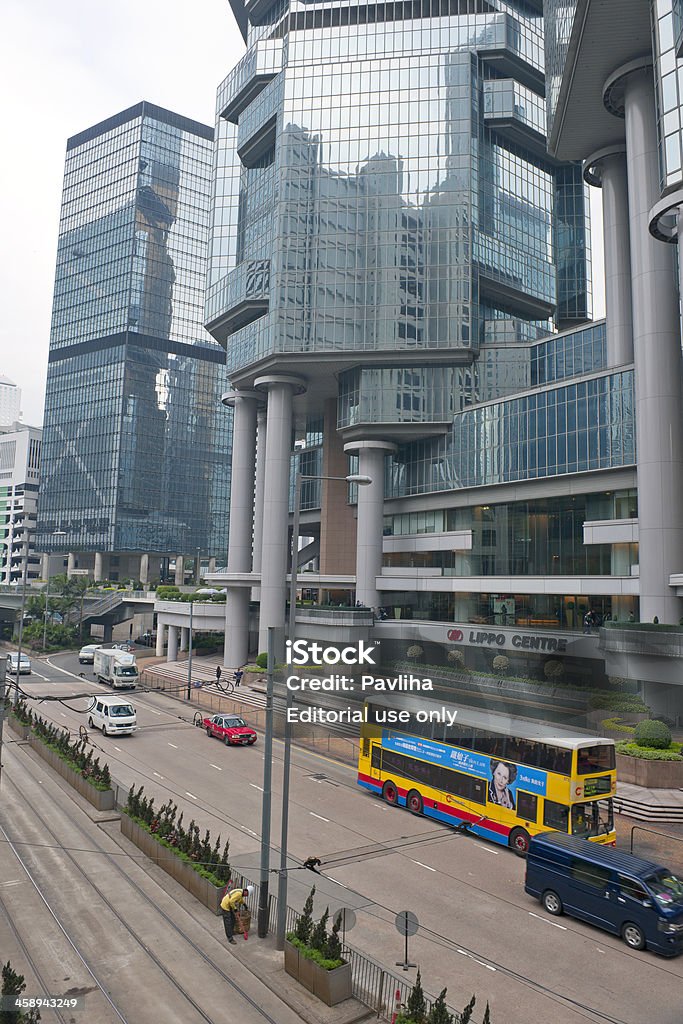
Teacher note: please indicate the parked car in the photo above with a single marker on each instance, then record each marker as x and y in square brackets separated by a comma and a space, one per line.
[231, 729]
[146, 639]
[13, 664]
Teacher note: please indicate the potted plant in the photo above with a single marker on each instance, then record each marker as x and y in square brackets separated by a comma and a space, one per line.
[314, 957]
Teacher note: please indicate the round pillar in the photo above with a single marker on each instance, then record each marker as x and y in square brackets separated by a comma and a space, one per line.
[97, 573]
[244, 404]
[281, 389]
[161, 629]
[179, 570]
[172, 654]
[261, 426]
[656, 351]
[184, 638]
[144, 569]
[606, 169]
[71, 563]
[370, 528]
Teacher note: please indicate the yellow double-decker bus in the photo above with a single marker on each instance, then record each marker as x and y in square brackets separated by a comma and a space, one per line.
[502, 778]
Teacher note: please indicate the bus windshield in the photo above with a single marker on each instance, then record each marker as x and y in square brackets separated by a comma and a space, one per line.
[592, 819]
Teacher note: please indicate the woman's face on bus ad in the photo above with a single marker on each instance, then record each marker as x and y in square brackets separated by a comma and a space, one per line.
[501, 778]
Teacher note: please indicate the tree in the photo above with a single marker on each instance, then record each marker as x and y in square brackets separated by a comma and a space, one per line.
[487, 1015]
[305, 923]
[466, 1015]
[416, 1006]
[13, 984]
[319, 934]
[439, 1012]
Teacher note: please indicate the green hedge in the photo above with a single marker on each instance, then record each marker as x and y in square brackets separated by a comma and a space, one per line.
[653, 733]
[314, 954]
[647, 754]
[616, 725]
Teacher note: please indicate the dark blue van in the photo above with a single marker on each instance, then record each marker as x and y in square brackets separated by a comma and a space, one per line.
[637, 899]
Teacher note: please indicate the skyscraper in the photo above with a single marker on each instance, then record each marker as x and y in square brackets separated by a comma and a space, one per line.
[136, 444]
[393, 254]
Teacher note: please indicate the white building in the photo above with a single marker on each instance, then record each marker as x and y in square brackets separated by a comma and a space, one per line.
[19, 478]
[10, 403]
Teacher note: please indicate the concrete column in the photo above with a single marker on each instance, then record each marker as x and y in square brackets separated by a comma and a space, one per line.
[261, 427]
[184, 638]
[607, 169]
[370, 518]
[212, 564]
[179, 570]
[71, 563]
[161, 628]
[172, 654]
[657, 354]
[275, 549]
[144, 569]
[108, 634]
[44, 566]
[97, 573]
[244, 403]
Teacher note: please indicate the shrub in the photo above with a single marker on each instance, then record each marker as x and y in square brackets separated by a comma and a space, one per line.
[416, 1005]
[415, 651]
[456, 658]
[501, 664]
[304, 925]
[553, 670]
[654, 734]
[616, 725]
[262, 660]
[648, 753]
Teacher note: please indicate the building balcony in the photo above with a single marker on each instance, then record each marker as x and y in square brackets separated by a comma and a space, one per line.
[455, 540]
[515, 50]
[257, 124]
[642, 638]
[513, 276]
[257, 68]
[611, 531]
[516, 113]
[238, 299]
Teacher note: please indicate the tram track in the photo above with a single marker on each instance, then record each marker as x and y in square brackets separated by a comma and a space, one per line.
[140, 895]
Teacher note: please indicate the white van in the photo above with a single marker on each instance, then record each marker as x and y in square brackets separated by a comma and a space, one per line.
[13, 664]
[86, 655]
[114, 716]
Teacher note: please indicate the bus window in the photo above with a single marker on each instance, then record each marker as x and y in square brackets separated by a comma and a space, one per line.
[527, 806]
[599, 758]
[376, 761]
[555, 815]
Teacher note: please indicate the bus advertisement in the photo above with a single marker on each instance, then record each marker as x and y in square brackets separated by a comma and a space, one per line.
[504, 779]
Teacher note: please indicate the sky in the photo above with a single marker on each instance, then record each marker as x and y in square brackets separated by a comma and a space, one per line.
[63, 68]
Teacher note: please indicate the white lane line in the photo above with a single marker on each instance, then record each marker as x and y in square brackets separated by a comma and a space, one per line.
[254, 786]
[118, 748]
[216, 767]
[319, 816]
[251, 833]
[419, 862]
[546, 921]
[480, 962]
[62, 714]
[153, 712]
[157, 775]
[173, 745]
[190, 794]
[336, 882]
[496, 852]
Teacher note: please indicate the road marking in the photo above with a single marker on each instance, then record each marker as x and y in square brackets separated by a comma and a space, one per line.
[545, 919]
[319, 816]
[118, 748]
[496, 852]
[153, 712]
[216, 767]
[254, 786]
[419, 862]
[480, 962]
[190, 794]
[157, 775]
[173, 745]
[251, 833]
[336, 882]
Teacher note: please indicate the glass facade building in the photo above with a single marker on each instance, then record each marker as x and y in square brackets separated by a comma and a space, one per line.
[136, 442]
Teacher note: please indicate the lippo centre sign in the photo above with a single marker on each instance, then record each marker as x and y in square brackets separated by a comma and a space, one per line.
[507, 640]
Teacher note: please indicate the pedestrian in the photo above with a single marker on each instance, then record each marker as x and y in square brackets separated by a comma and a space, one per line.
[219, 672]
[231, 902]
[238, 676]
[587, 621]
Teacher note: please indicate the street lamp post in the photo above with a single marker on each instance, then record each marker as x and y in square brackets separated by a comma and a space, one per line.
[57, 533]
[189, 655]
[353, 478]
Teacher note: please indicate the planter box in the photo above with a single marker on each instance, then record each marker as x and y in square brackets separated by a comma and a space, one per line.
[16, 727]
[208, 895]
[650, 774]
[331, 987]
[101, 799]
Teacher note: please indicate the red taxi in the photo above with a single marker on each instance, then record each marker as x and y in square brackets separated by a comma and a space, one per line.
[231, 729]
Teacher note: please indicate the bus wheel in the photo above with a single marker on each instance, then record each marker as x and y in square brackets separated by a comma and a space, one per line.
[552, 902]
[519, 841]
[390, 793]
[633, 936]
[414, 802]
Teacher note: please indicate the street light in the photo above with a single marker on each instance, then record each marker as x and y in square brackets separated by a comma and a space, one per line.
[57, 533]
[352, 478]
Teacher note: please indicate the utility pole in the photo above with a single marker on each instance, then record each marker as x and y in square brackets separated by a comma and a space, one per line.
[189, 656]
[263, 907]
[3, 669]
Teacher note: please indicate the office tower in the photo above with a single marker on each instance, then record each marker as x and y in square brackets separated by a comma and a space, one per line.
[393, 254]
[136, 443]
[10, 403]
[19, 477]
[614, 102]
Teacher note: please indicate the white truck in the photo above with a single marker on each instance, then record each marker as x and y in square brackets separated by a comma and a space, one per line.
[117, 668]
